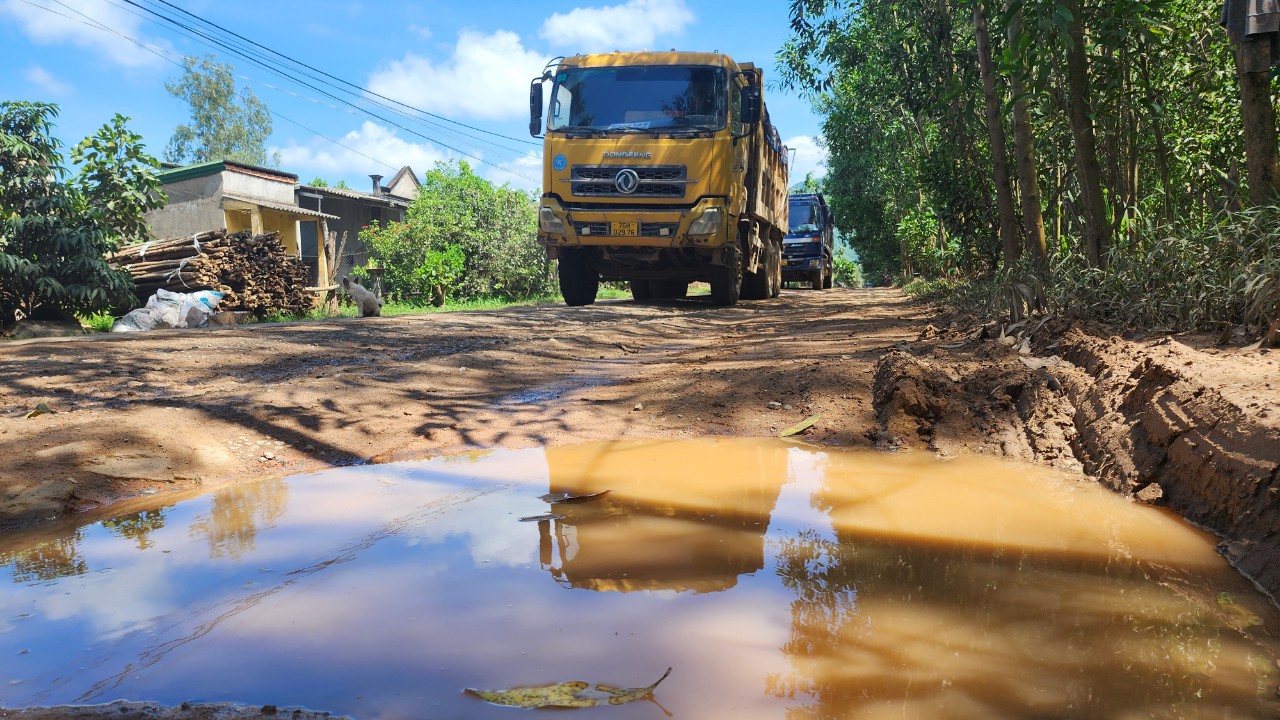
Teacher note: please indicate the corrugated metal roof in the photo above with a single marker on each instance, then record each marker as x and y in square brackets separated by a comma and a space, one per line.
[357, 195]
[279, 206]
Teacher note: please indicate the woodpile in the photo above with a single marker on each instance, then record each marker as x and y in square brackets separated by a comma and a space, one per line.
[253, 272]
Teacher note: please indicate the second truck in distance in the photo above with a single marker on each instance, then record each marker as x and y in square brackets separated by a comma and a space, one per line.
[808, 252]
[660, 169]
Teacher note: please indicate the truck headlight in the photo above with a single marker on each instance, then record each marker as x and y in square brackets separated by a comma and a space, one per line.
[708, 222]
[549, 223]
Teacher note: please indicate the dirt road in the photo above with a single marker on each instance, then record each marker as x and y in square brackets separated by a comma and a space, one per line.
[174, 412]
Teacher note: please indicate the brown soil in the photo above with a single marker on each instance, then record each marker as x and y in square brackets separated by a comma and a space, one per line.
[1172, 419]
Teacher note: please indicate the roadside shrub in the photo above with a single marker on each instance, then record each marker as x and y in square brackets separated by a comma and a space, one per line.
[55, 233]
[466, 235]
[847, 273]
[1216, 274]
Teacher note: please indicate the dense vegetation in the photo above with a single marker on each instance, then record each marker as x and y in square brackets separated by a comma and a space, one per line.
[463, 237]
[1088, 155]
[54, 230]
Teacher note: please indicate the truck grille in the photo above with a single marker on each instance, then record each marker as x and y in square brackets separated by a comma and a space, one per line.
[659, 181]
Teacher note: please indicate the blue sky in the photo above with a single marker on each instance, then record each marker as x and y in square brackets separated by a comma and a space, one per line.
[469, 62]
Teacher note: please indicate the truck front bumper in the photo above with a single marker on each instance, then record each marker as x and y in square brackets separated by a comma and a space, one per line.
[705, 225]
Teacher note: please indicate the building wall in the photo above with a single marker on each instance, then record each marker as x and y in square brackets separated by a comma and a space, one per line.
[193, 207]
[286, 225]
[353, 215]
[241, 184]
[405, 188]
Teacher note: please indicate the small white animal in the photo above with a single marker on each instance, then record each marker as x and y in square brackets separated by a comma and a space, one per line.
[369, 305]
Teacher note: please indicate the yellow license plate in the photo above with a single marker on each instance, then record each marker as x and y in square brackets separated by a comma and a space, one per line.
[624, 229]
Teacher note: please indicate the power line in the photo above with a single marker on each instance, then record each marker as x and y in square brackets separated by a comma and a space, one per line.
[158, 53]
[250, 56]
[335, 78]
[255, 58]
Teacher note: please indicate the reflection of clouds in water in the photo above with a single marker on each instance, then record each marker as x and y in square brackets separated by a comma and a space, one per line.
[492, 528]
[806, 470]
[114, 603]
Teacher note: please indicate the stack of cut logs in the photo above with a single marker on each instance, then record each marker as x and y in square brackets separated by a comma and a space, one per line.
[253, 272]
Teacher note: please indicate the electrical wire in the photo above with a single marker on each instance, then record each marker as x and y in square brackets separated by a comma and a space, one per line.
[257, 59]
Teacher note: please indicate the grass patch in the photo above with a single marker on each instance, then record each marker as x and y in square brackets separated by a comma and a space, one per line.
[1222, 274]
[98, 322]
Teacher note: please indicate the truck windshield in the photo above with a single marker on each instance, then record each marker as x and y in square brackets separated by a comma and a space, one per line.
[639, 98]
[805, 218]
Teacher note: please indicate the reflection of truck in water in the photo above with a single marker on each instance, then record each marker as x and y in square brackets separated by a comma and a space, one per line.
[808, 252]
[661, 169]
[656, 528]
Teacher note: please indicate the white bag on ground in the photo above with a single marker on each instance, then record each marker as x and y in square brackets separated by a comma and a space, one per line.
[167, 309]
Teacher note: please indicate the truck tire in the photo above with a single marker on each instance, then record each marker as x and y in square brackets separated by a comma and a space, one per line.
[579, 282]
[766, 282]
[815, 279]
[726, 280]
[641, 290]
[828, 277]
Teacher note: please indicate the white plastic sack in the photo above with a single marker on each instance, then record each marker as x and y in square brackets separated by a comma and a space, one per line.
[167, 309]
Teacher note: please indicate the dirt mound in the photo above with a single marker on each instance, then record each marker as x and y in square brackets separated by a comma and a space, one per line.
[1158, 421]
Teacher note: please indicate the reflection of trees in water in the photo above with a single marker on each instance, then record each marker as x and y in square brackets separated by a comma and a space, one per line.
[47, 561]
[237, 513]
[814, 569]
[1007, 630]
[137, 526]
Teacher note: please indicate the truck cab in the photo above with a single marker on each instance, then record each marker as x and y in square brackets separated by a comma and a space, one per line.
[660, 169]
[808, 250]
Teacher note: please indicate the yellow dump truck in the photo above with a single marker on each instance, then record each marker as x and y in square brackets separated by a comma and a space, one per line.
[660, 169]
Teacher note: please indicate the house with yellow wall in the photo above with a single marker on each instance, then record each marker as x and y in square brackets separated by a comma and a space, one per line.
[226, 194]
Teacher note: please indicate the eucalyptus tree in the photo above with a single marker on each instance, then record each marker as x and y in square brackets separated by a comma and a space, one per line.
[225, 124]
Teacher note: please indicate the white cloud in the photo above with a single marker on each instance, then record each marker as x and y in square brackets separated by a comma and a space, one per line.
[633, 25]
[45, 81]
[72, 21]
[523, 173]
[810, 157]
[323, 158]
[487, 77]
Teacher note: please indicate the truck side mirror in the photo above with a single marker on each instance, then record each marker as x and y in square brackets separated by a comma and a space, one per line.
[750, 105]
[535, 107]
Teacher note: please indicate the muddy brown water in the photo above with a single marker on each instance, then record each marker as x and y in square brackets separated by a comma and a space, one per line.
[778, 580]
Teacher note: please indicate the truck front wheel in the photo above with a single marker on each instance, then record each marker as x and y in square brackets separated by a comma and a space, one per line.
[726, 280]
[579, 282]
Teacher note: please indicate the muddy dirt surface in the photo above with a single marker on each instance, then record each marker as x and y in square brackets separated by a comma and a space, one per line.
[1173, 420]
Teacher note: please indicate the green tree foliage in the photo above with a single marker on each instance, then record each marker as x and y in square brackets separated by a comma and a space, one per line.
[899, 85]
[464, 233]
[54, 233]
[225, 125]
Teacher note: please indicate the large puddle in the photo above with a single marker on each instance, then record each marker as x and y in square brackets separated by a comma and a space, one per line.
[777, 580]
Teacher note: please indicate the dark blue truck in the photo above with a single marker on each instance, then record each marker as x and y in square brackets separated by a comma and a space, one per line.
[809, 247]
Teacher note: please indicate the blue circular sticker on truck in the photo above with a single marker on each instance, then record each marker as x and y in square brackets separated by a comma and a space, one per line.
[560, 162]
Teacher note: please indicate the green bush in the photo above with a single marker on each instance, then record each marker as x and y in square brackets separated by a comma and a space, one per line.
[847, 273]
[465, 234]
[1171, 276]
[54, 233]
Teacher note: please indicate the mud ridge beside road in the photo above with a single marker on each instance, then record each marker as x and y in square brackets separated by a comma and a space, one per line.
[1163, 422]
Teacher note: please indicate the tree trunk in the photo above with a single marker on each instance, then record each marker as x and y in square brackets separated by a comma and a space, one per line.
[1028, 174]
[1088, 171]
[995, 130]
[1259, 116]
